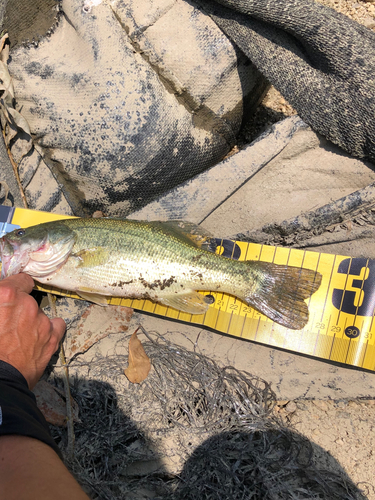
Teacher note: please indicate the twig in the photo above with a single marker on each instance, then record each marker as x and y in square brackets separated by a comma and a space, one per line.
[65, 376]
[15, 170]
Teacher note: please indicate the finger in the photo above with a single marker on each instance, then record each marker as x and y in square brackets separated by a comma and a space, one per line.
[22, 282]
[58, 329]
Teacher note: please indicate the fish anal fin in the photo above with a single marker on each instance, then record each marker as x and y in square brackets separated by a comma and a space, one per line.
[190, 302]
[282, 292]
[92, 257]
[92, 296]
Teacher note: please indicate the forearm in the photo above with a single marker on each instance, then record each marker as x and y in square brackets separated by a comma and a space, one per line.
[30, 469]
[19, 414]
[30, 466]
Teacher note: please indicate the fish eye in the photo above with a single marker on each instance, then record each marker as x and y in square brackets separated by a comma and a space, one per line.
[20, 232]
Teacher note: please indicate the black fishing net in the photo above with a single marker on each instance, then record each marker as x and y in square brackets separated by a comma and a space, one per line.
[320, 60]
[192, 429]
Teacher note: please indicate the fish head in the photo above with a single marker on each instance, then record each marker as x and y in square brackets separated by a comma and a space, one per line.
[37, 250]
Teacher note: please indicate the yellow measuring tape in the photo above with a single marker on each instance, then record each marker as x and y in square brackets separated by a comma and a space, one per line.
[340, 327]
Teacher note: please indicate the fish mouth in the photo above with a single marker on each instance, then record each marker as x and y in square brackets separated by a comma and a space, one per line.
[6, 254]
[13, 261]
[38, 258]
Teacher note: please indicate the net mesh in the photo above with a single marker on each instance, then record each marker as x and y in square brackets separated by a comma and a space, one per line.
[192, 429]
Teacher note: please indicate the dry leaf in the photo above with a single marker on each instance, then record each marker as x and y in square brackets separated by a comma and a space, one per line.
[51, 404]
[139, 363]
[96, 323]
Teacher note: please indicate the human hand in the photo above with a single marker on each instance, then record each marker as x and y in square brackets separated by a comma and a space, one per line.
[28, 338]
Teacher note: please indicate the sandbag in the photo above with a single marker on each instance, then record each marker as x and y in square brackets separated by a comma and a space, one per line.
[187, 115]
[321, 61]
[124, 100]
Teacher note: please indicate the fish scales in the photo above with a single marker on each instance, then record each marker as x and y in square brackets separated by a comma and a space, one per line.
[143, 260]
[114, 257]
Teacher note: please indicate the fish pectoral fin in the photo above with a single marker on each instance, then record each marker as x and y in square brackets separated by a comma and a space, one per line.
[91, 296]
[92, 257]
[190, 302]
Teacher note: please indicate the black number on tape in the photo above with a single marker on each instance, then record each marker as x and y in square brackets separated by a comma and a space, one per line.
[352, 332]
[359, 297]
[230, 249]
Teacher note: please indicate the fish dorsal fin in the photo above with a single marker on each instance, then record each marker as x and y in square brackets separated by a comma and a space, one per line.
[187, 232]
[190, 302]
[92, 296]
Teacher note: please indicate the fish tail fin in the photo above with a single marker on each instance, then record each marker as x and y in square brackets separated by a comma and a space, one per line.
[282, 292]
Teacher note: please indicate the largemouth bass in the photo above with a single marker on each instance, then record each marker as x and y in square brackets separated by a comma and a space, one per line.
[96, 258]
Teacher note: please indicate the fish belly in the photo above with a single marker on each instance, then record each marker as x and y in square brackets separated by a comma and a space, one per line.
[121, 277]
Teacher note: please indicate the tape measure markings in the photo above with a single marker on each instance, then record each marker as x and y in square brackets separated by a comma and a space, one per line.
[316, 267]
[329, 328]
[233, 250]
[301, 335]
[231, 313]
[370, 357]
[214, 313]
[369, 335]
[333, 341]
[366, 274]
[317, 341]
[348, 349]
[351, 344]
[280, 256]
[335, 331]
[267, 254]
[362, 346]
[322, 265]
[218, 303]
[256, 330]
[364, 353]
[243, 325]
[244, 308]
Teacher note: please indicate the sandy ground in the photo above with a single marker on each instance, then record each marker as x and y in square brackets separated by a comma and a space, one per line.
[345, 429]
